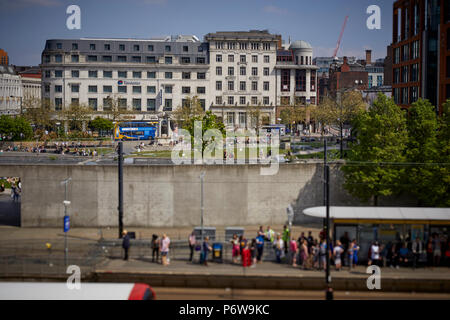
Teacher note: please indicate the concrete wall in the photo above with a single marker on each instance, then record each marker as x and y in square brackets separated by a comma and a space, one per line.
[170, 195]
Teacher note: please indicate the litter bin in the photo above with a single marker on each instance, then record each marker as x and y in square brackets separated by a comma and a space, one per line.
[217, 252]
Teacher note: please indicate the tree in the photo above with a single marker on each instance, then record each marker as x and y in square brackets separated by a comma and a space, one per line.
[422, 149]
[296, 114]
[38, 112]
[209, 121]
[255, 116]
[76, 114]
[190, 109]
[340, 111]
[371, 171]
[17, 128]
[442, 194]
[101, 124]
[114, 110]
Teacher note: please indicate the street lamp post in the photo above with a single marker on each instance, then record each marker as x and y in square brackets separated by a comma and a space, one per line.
[202, 176]
[120, 207]
[66, 218]
[329, 290]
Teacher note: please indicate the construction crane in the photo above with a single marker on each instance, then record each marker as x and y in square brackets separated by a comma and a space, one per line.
[340, 38]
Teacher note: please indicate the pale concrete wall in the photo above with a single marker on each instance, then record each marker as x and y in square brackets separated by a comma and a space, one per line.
[170, 195]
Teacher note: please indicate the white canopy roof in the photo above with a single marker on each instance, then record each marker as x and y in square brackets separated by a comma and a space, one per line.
[380, 213]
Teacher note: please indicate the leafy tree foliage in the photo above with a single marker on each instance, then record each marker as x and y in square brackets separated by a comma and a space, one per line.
[17, 128]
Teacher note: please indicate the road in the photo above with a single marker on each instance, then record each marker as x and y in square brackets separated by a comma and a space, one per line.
[164, 293]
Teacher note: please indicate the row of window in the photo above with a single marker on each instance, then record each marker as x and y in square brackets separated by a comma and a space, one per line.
[300, 80]
[121, 47]
[379, 81]
[407, 52]
[243, 71]
[243, 86]
[406, 95]
[406, 73]
[122, 74]
[242, 100]
[286, 101]
[243, 45]
[242, 58]
[406, 22]
[75, 58]
[75, 88]
[136, 104]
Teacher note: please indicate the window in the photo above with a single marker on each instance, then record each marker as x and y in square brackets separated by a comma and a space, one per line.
[230, 116]
[218, 58]
[137, 74]
[254, 85]
[150, 47]
[203, 104]
[107, 74]
[405, 74]
[58, 73]
[242, 86]
[266, 46]
[219, 100]
[201, 60]
[285, 101]
[168, 60]
[414, 94]
[121, 58]
[107, 58]
[58, 88]
[185, 60]
[58, 58]
[397, 55]
[405, 96]
[200, 49]
[218, 71]
[243, 46]
[58, 103]
[107, 89]
[59, 46]
[122, 103]
[230, 58]
[75, 74]
[230, 85]
[313, 80]
[136, 59]
[122, 89]
[219, 85]
[397, 75]
[231, 71]
[201, 75]
[168, 75]
[255, 59]
[266, 59]
[137, 89]
[136, 47]
[266, 71]
[230, 100]
[242, 117]
[242, 71]
[121, 47]
[93, 103]
[300, 80]
[75, 88]
[255, 46]
[266, 85]
[167, 105]
[168, 89]
[92, 46]
[185, 48]
[151, 59]
[242, 100]
[47, 73]
[75, 58]
[92, 74]
[46, 59]
[415, 50]
[415, 72]
[136, 104]
[122, 74]
[185, 75]
[254, 71]
[186, 90]
[151, 75]
[243, 59]
[92, 89]
[405, 50]
[107, 47]
[74, 46]
[201, 90]
[151, 104]
[168, 48]
[254, 101]
[47, 87]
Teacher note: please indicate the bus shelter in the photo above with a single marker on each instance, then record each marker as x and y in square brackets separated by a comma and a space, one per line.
[385, 224]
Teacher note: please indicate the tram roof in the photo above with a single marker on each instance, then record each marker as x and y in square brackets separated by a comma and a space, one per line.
[380, 213]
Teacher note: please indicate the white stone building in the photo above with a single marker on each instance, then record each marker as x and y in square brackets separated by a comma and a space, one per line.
[10, 91]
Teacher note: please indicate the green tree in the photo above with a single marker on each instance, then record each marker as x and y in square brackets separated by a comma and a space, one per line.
[209, 121]
[101, 124]
[190, 109]
[17, 128]
[76, 114]
[381, 140]
[38, 112]
[442, 194]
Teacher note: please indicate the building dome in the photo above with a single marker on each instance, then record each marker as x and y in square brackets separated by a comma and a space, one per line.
[300, 44]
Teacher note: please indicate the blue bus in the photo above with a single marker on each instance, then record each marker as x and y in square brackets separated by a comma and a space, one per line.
[144, 130]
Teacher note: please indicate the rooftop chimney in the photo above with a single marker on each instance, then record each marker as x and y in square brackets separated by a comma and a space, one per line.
[368, 56]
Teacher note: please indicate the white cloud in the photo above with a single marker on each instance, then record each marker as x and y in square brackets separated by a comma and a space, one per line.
[275, 10]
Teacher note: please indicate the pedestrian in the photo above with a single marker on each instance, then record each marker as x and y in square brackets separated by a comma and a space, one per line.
[345, 241]
[304, 254]
[125, 243]
[323, 254]
[417, 251]
[155, 247]
[164, 247]
[192, 241]
[246, 258]
[337, 252]
[310, 240]
[315, 252]
[270, 234]
[259, 246]
[286, 237]
[253, 252]
[278, 246]
[293, 251]
[242, 243]
[206, 248]
[235, 248]
[375, 254]
[404, 255]
[354, 254]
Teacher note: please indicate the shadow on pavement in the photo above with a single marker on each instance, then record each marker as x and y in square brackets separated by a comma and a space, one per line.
[9, 211]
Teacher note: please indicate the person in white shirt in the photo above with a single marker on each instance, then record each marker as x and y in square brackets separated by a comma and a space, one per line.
[165, 242]
[337, 251]
[375, 253]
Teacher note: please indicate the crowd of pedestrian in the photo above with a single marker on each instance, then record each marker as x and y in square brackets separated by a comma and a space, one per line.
[15, 187]
[77, 149]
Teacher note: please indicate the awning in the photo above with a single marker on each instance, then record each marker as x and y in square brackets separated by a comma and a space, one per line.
[381, 213]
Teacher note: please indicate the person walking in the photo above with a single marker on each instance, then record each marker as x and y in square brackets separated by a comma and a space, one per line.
[192, 241]
[235, 248]
[165, 243]
[125, 243]
[206, 248]
[286, 236]
[278, 245]
[293, 251]
[375, 254]
[155, 247]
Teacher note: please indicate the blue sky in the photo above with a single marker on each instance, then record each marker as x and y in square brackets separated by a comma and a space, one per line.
[26, 24]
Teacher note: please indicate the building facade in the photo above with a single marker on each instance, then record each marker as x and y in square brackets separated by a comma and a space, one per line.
[31, 83]
[421, 52]
[4, 60]
[10, 91]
